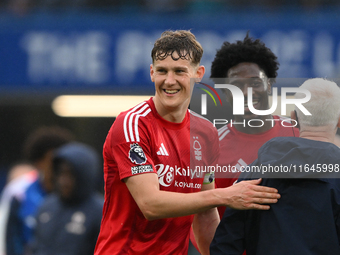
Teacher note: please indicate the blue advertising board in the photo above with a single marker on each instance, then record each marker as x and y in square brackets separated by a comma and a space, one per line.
[111, 53]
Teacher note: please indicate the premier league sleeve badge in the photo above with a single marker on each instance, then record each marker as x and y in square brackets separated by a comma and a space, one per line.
[136, 154]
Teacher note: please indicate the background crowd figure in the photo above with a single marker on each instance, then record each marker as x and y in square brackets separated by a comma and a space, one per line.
[50, 204]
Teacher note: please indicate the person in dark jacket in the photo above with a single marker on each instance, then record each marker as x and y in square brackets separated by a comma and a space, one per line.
[38, 149]
[305, 170]
[68, 222]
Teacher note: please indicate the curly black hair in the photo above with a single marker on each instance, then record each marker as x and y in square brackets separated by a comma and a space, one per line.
[44, 139]
[249, 50]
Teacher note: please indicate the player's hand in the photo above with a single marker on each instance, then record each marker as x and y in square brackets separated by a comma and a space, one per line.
[250, 195]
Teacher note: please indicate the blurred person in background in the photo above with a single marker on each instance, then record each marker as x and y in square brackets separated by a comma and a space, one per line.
[247, 64]
[38, 150]
[68, 221]
[19, 177]
[153, 193]
[306, 220]
[19, 170]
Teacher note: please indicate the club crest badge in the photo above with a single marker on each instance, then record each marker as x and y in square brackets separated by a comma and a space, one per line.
[136, 154]
[197, 147]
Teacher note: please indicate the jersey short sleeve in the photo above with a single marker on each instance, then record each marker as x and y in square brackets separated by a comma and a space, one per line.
[127, 146]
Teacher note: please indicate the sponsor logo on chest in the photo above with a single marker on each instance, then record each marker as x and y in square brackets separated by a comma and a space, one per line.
[167, 174]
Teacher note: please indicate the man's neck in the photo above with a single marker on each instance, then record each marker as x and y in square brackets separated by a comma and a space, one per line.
[323, 133]
[175, 115]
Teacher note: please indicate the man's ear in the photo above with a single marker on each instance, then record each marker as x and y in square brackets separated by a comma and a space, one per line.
[294, 116]
[200, 73]
[338, 123]
[152, 73]
[269, 88]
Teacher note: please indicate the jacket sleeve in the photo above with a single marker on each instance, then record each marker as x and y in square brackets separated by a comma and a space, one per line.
[93, 232]
[336, 208]
[14, 237]
[229, 238]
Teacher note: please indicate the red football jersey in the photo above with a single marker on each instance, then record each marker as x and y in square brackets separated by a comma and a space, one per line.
[141, 141]
[240, 149]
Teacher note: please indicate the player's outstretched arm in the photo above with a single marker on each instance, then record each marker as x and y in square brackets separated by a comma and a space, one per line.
[157, 204]
[250, 195]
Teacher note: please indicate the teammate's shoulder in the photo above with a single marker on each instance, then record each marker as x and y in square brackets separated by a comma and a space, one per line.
[198, 119]
[286, 126]
[223, 132]
[285, 121]
[282, 118]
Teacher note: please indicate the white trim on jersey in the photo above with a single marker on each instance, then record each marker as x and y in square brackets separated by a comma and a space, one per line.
[222, 132]
[131, 124]
[126, 118]
[136, 123]
[283, 118]
[222, 129]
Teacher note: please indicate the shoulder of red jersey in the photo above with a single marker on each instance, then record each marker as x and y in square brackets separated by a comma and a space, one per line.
[200, 119]
[287, 126]
[223, 131]
[128, 122]
[282, 118]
